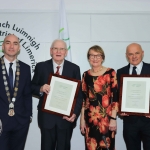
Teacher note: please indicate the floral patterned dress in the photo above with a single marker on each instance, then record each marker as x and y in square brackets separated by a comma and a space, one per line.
[100, 98]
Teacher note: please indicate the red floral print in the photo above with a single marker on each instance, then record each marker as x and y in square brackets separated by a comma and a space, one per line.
[99, 94]
[105, 101]
[83, 85]
[97, 87]
[115, 106]
[107, 78]
[91, 95]
[103, 145]
[94, 114]
[91, 144]
[103, 125]
[114, 79]
[87, 103]
[108, 91]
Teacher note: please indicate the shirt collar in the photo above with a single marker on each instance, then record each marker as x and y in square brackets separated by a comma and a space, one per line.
[7, 62]
[55, 64]
[139, 66]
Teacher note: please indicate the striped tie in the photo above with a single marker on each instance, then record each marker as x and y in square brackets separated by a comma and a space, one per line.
[57, 72]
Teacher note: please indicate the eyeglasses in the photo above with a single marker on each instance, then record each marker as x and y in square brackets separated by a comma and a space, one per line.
[55, 49]
[91, 56]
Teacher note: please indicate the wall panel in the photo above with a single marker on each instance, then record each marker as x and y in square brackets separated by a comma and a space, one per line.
[120, 27]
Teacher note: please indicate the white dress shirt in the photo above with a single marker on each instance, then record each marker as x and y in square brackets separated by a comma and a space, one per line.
[55, 67]
[7, 64]
[138, 68]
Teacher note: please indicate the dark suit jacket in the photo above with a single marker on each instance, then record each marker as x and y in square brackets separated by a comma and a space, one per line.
[41, 75]
[23, 103]
[125, 70]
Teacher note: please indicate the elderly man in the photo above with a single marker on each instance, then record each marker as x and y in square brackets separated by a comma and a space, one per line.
[15, 96]
[56, 131]
[135, 128]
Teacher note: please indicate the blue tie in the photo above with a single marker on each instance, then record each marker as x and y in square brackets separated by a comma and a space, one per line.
[11, 76]
[134, 70]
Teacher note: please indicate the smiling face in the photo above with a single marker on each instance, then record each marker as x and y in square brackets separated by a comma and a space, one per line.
[134, 54]
[58, 51]
[95, 58]
[11, 47]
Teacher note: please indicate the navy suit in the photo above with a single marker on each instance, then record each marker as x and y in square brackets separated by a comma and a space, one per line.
[135, 128]
[18, 124]
[41, 75]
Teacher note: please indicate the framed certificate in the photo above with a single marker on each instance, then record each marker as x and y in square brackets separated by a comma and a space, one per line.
[134, 94]
[62, 97]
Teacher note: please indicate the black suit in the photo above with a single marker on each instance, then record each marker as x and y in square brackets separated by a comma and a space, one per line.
[15, 128]
[47, 120]
[135, 128]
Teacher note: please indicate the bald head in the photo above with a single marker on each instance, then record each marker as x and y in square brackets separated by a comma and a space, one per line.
[11, 35]
[133, 45]
[11, 47]
[134, 53]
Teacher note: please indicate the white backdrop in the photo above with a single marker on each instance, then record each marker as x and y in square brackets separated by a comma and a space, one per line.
[112, 25]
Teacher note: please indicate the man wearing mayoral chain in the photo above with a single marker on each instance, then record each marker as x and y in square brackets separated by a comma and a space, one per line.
[15, 96]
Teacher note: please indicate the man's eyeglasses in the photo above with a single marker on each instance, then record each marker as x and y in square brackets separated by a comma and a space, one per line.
[98, 56]
[55, 49]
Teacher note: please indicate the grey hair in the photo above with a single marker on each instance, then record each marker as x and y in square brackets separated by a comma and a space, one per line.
[59, 40]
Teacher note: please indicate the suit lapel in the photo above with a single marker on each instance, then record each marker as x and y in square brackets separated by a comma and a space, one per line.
[65, 69]
[49, 66]
[16, 76]
[144, 69]
[126, 70]
[7, 78]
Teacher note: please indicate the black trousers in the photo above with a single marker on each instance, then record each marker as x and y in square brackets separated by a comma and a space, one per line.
[14, 135]
[136, 132]
[55, 138]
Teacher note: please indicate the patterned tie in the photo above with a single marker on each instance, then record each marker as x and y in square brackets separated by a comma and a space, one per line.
[57, 72]
[134, 71]
[11, 76]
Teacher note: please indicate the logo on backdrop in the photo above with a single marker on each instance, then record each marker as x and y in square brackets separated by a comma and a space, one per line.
[63, 34]
[27, 41]
[1, 53]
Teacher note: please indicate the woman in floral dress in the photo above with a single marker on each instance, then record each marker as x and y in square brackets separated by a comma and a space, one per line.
[100, 106]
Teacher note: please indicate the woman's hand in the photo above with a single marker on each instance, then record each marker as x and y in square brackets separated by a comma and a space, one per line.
[82, 122]
[82, 126]
[113, 125]
[113, 122]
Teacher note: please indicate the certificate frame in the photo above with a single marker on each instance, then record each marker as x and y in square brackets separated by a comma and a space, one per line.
[59, 101]
[133, 88]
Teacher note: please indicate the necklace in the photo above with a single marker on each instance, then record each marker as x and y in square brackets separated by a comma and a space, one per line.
[11, 100]
[97, 70]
